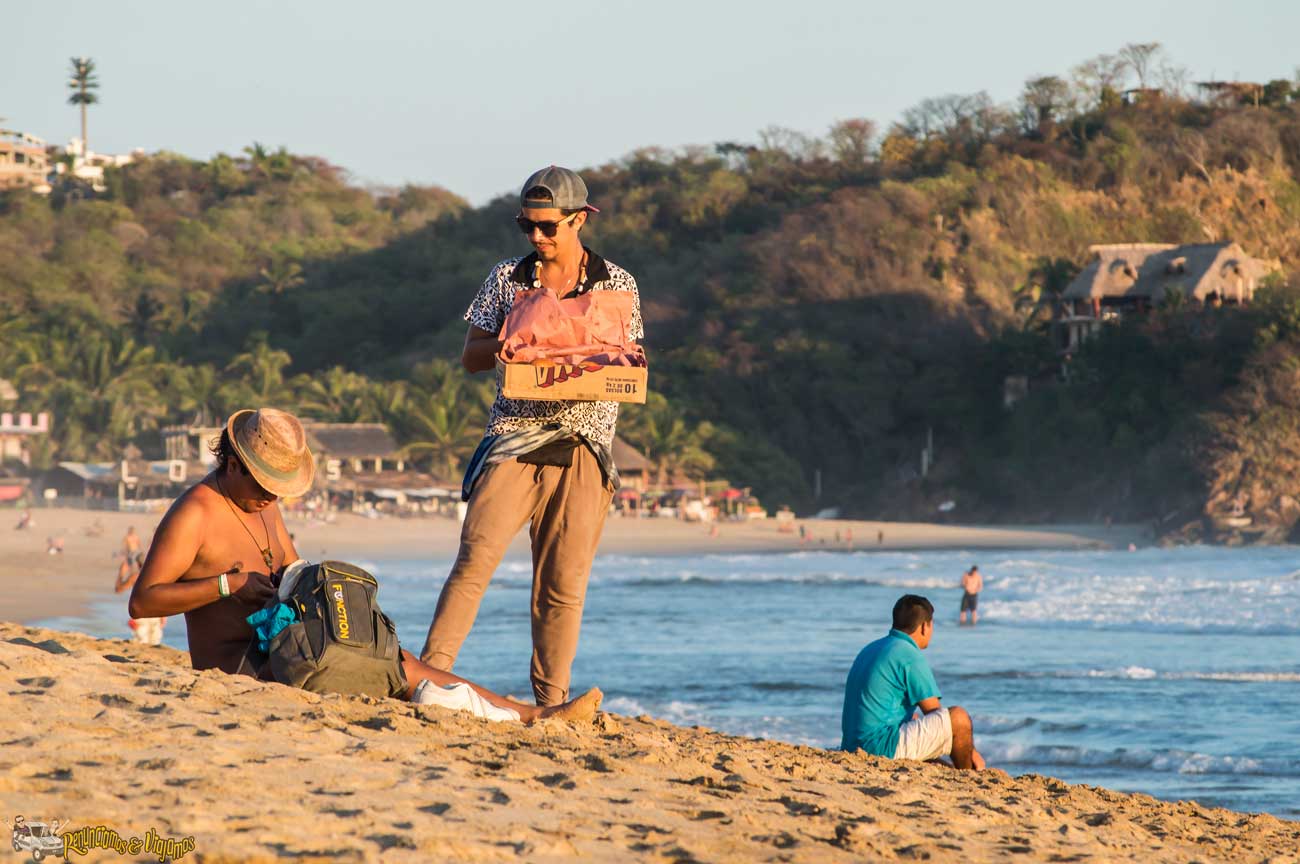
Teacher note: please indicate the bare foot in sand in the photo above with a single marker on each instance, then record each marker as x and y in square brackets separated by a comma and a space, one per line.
[580, 710]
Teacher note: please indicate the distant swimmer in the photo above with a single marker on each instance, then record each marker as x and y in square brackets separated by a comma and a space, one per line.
[972, 583]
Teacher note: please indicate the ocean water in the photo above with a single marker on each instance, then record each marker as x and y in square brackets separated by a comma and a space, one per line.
[1170, 672]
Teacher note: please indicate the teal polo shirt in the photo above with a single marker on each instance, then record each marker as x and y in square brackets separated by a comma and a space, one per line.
[886, 683]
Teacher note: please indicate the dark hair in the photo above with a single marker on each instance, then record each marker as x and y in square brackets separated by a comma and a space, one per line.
[911, 611]
[541, 193]
[225, 451]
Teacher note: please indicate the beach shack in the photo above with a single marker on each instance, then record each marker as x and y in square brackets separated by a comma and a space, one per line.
[633, 466]
[131, 483]
[634, 478]
[353, 448]
[401, 493]
[1123, 279]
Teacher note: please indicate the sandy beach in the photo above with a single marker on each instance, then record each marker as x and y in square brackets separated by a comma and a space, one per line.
[107, 733]
[113, 734]
[39, 586]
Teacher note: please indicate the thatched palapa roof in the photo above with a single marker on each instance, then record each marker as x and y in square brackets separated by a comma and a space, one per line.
[352, 440]
[628, 458]
[1151, 270]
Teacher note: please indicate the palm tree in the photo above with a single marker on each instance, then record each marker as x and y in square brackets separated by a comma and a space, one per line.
[280, 276]
[669, 441]
[1042, 291]
[83, 85]
[196, 391]
[446, 427]
[336, 395]
[256, 377]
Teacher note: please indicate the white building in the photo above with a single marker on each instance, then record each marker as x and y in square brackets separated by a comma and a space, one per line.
[89, 165]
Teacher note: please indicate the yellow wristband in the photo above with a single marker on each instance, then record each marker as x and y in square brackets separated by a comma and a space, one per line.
[223, 586]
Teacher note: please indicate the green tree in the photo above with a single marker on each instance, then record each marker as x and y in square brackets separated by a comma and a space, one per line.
[280, 276]
[255, 377]
[443, 427]
[337, 395]
[671, 443]
[1041, 292]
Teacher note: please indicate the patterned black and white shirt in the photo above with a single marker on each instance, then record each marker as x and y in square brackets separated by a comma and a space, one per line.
[594, 421]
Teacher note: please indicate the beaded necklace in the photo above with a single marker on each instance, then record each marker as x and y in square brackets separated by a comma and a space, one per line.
[582, 274]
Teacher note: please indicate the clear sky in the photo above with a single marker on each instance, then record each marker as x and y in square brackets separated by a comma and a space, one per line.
[474, 95]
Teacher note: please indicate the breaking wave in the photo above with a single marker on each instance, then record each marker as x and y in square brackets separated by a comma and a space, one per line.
[1002, 753]
[1139, 673]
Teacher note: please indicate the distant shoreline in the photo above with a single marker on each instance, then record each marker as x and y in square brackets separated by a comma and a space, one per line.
[39, 586]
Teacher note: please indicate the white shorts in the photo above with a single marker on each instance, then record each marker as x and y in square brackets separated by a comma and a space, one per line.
[149, 630]
[462, 697]
[926, 737]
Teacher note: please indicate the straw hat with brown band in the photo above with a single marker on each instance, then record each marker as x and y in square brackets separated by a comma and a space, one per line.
[273, 446]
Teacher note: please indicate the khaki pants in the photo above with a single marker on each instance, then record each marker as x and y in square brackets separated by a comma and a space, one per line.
[567, 508]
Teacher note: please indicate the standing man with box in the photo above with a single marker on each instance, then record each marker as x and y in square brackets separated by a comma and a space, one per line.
[548, 463]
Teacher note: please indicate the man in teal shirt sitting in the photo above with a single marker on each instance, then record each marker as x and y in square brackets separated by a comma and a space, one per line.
[888, 682]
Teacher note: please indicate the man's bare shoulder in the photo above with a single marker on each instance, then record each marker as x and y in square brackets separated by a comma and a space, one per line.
[196, 502]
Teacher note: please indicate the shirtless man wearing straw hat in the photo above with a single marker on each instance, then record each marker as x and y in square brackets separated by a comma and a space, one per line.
[218, 552]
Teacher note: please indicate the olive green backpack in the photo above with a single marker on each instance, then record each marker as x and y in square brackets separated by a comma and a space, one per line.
[342, 642]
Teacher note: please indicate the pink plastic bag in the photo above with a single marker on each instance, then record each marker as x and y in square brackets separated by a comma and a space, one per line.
[591, 328]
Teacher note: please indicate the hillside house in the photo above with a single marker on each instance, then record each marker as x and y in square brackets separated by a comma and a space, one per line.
[88, 166]
[24, 162]
[1131, 278]
[18, 432]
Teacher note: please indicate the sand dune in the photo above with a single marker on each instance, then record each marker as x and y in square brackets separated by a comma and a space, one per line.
[98, 732]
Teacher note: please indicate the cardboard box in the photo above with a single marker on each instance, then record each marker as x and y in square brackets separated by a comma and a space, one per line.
[585, 383]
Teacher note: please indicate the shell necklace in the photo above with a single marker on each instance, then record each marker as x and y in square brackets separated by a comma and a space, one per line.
[582, 274]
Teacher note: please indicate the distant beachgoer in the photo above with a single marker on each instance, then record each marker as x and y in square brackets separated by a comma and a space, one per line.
[25, 521]
[54, 545]
[848, 536]
[545, 464]
[803, 533]
[131, 548]
[889, 681]
[972, 583]
[147, 631]
[126, 574]
[194, 565]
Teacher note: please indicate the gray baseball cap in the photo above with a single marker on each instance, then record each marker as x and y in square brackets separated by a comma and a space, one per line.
[568, 192]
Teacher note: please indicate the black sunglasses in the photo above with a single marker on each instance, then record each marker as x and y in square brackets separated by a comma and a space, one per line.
[548, 229]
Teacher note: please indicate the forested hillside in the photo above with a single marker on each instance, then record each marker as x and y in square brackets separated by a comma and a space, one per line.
[811, 305]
